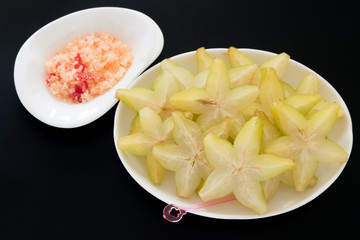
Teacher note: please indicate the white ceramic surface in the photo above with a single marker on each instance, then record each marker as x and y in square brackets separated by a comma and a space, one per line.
[135, 29]
[286, 199]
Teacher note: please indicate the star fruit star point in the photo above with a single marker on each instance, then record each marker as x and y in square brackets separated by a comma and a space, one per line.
[152, 131]
[186, 157]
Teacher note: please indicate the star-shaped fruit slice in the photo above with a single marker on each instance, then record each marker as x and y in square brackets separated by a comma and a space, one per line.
[238, 58]
[187, 157]
[278, 62]
[183, 76]
[217, 101]
[203, 59]
[151, 132]
[156, 98]
[272, 90]
[310, 85]
[239, 76]
[306, 140]
[239, 168]
[243, 70]
[272, 185]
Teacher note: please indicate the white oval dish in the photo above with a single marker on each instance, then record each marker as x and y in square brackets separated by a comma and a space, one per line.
[134, 28]
[286, 199]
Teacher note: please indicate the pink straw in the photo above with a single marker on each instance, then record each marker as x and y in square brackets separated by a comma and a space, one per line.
[168, 212]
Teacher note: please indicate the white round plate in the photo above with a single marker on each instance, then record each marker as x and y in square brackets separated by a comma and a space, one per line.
[135, 29]
[286, 199]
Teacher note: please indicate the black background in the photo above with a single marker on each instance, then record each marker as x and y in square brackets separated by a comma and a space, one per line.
[69, 183]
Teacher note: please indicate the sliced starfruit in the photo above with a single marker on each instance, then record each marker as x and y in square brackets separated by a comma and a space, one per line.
[271, 90]
[272, 185]
[203, 59]
[239, 76]
[239, 168]
[305, 140]
[187, 157]
[309, 84]
[156, 98]
[270, 131]
[277, 145]
[155, 170]
[243, 75]
[323, 103]
[200, 78]
[288, 89]
[183, 76]
[304, 102]
[253, 109]
[237, 58]
[217, 101]
[135, 125]
[278, 62]
[153, 132]
[222, 129]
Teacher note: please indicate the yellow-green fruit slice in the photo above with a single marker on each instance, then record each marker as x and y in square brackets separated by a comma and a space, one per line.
[200, 78]
[270, 131]
[135, 125]
[271, 90]
[157, 98]
[304, 102]
[155, 170]
[222, 129]
[239, 76]
[287, 179]
[272, 185]
[309, 84]
[306, 140]
[217, 101]
[242, 75]
[238, 58]
[153, 132]
[323, 103]
[183, 76]
[239, 168]
[278, 62]
[288, 89]
[203, 59]
[186, 158]
[138, 144]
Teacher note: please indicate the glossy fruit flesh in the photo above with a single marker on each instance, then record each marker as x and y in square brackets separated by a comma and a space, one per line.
[217, 101]
[186, 157]
[239, 168]
[148, 131]
[305, 140]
